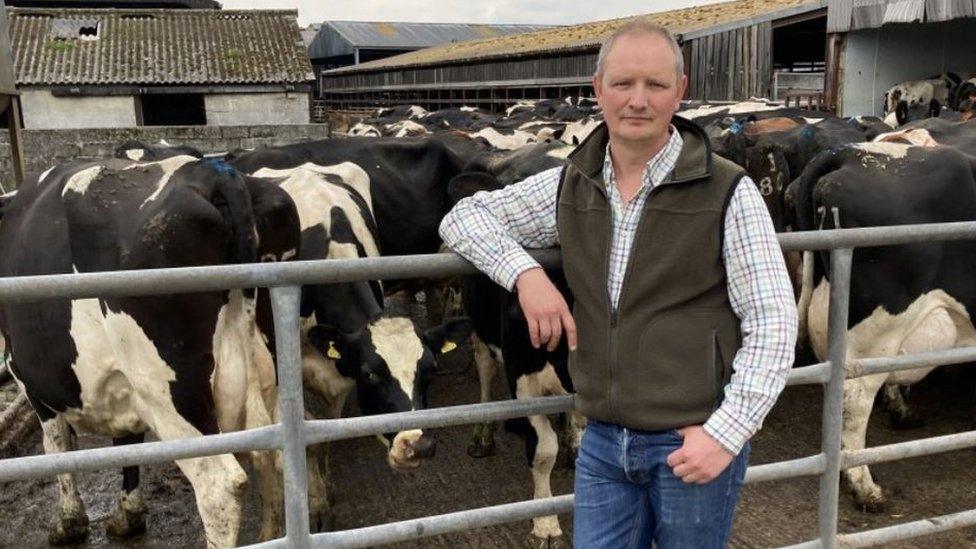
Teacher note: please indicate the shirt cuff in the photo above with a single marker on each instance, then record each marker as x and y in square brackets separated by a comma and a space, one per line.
[731, 433]
[510, 265]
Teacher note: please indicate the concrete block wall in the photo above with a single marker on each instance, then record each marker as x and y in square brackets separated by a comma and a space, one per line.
[46, 148]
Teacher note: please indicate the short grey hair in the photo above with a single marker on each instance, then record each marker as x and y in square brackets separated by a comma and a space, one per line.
[641, 25]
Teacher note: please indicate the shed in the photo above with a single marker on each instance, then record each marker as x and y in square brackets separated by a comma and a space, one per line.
[882, 43]
[732, 51]
[99, 68]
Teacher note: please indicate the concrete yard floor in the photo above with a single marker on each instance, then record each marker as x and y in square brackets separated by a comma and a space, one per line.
[369, 492]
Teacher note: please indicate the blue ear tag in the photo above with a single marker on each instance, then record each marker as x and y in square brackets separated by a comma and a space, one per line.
[220, 166]
[736, 127]
[807, 132]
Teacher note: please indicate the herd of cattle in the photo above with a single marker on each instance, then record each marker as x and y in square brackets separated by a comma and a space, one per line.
[186, 365]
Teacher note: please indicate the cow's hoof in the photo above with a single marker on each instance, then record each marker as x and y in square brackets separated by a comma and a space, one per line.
[550, 542]
[482, 441]
[126, 525]
[322, 522]
[68, 529]
[871, 505]
[906, 421]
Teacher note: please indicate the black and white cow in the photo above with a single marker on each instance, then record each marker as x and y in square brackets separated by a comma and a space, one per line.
[348, 342]
[904, 299]
[137, 150]
[501, 338]
[916, 99]
[177, 365]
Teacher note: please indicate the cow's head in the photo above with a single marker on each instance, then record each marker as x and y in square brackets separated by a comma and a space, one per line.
[391, 364]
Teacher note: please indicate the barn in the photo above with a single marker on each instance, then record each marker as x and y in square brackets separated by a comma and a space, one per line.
[880, 44]
[110, 68]
[732, 51]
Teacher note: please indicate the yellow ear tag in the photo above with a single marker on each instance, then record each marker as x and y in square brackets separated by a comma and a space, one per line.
[332, 352]
[448, 347]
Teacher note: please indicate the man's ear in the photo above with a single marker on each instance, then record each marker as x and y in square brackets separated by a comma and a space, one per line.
[448, 336]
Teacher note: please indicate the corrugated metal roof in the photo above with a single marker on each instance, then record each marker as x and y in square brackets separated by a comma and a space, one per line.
[136, 47]
[364, 34]
[848, 15]
[309, 32]
[688, 21]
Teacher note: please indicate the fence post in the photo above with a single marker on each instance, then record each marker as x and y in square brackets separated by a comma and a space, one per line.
[833, 421]
[285, 304]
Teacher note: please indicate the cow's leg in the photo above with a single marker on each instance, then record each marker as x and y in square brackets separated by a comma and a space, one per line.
[546, 532]
[267, 466]
[859, 396]
[70, 520]
[321, 495]
[130, 513]
[483, 438]
[902, 415]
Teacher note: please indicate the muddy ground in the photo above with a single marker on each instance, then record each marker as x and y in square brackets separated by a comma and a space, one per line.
[368, 492]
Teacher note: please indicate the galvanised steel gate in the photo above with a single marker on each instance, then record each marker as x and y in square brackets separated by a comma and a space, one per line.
[294, 433]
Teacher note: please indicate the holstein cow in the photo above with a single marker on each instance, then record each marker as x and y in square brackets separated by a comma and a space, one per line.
[501, 336]
[178, 365]
[137, 150]
[348, 340]
[407, 181]
[929, 95]
[904, 299]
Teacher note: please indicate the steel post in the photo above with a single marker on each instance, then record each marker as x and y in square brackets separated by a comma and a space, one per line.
[285, 303]
[833, 422]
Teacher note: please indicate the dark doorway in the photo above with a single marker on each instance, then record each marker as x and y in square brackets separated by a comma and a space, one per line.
[177, 109]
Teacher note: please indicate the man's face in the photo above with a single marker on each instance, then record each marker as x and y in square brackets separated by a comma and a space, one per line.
[639, 90]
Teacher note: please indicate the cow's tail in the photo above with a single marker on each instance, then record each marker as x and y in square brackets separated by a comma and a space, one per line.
[231, 197]
[822, 164]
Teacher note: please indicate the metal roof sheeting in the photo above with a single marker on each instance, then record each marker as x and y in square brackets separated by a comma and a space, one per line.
[848, 15]
[137, 47]
[362, 34]
[690, 22]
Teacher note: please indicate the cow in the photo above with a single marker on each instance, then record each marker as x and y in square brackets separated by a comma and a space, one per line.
[137, 150]
[906, 298]
[348, 341]
[501, 338]
[176, 365]
[917, 98]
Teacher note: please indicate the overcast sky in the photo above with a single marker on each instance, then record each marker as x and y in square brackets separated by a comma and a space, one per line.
[551, 12]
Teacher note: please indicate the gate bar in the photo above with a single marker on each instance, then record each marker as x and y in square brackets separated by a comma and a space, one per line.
[326, 430]
[908, 530]
[928, 359]
[910, 449]
[442, 524]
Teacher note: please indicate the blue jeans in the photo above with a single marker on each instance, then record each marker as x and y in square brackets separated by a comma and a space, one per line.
[627, 496]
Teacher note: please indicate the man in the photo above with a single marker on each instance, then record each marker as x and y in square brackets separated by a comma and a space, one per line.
[678, 282]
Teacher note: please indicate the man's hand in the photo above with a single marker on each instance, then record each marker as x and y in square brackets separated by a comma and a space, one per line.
[700, 459]
[545, 310]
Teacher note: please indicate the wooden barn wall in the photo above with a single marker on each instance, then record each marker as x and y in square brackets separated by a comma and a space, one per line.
[727, 66]
[539, 68]
[732, 65]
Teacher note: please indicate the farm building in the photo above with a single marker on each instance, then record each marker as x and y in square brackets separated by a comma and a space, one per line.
[883, 43]
[105, 68]
[732, 51]
[342, 43]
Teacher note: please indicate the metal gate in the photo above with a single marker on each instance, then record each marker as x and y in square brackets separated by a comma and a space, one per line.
[294, 433]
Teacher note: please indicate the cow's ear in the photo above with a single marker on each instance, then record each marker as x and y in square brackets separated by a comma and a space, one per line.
[448, 336]
[331, 342]
[466, 184]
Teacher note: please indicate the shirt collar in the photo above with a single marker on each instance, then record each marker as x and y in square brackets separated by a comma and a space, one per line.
[658, 168]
